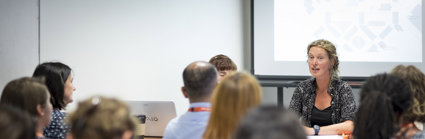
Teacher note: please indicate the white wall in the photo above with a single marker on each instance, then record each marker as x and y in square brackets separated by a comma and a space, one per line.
[18, 39]
[137, 49]
[156, 62]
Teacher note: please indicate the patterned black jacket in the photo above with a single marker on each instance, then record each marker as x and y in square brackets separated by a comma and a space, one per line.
[342, 104]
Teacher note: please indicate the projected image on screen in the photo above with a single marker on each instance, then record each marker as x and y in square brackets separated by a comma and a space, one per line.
[362, 30]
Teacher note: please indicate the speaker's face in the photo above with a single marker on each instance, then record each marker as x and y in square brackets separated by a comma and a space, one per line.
[319, 62]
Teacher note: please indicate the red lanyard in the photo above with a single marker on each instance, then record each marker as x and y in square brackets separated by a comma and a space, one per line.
[199, 109]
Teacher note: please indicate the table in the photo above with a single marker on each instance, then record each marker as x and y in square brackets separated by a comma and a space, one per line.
[325, 137]
[152, 138]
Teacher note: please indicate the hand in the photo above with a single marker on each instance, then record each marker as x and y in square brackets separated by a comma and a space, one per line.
[308, 130]
[407, 131]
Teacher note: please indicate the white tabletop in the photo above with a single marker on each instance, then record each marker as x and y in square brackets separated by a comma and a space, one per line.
[325, 137]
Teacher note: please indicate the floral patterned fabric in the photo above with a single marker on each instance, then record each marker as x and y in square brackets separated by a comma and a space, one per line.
[57, 129]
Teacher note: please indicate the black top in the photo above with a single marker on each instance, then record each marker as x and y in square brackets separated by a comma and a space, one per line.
[321, 117]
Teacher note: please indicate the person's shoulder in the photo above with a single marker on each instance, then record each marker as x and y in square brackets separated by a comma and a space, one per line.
[58, 114]
[194, 117]
[306, 86]
[187, 116]
[174, 120]
[419, 135]
[170, 128]
[180, 122]
[342, 87]
[308, 82]
[339, 83]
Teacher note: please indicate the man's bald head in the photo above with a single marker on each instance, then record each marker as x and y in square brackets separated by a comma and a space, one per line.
[200, 79]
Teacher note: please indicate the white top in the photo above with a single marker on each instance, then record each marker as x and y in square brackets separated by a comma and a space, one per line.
[190, 125]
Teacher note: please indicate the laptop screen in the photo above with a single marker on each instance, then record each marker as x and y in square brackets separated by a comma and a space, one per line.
[158, 114]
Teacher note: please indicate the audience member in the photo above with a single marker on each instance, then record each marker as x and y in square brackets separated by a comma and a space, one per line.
[200, 79]
[15, 123]
[59, 82]
[325, 102]
[32, 96]
[224, 65]
[416, 112]
[231, 99]
[270, 122]
[383, 100]
[102, 118]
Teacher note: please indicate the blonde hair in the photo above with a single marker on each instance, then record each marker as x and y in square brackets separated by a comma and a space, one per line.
[101, 118]
[331, 50]
[231, 99]
[416, 80]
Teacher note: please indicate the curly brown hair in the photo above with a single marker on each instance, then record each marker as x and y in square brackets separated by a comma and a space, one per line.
[416, 80]
[223, 62]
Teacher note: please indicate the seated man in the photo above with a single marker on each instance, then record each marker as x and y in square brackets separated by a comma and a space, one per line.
[200, 79]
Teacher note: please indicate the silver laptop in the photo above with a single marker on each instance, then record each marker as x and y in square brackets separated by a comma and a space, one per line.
[158, 114]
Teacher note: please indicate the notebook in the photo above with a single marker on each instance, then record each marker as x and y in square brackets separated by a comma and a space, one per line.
[158, 114]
